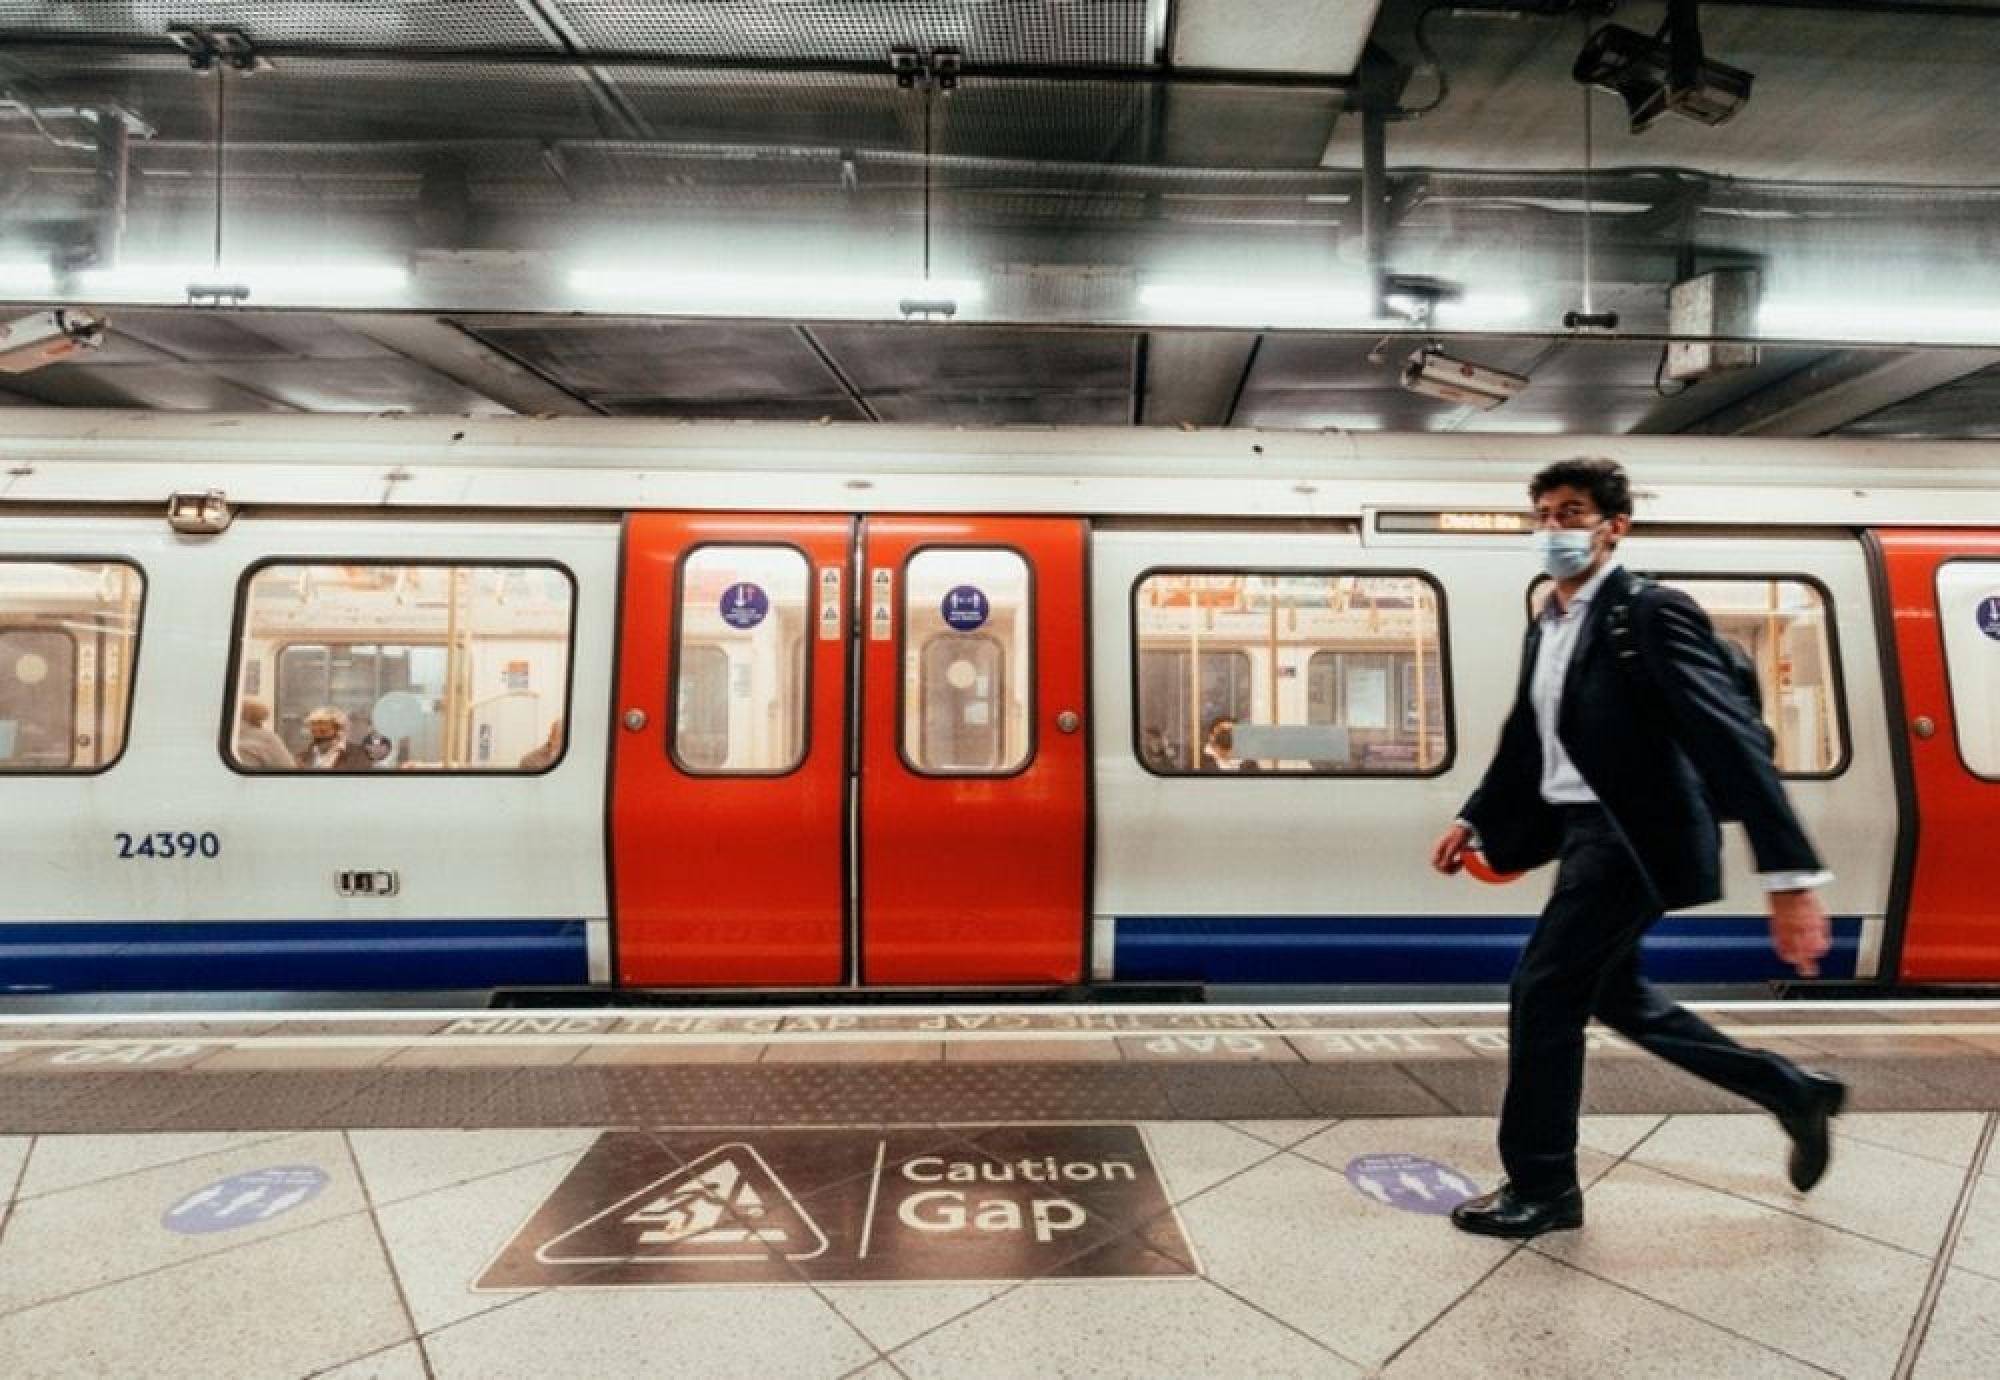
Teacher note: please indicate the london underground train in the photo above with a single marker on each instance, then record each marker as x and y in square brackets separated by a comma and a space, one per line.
[395, 702]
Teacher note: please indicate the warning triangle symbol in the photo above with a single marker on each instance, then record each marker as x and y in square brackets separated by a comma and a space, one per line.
[727, 1205]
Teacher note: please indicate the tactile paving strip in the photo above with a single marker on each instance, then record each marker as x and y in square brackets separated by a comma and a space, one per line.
[707, 1094]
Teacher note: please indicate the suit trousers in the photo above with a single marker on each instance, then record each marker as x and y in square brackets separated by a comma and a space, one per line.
[1583, 961]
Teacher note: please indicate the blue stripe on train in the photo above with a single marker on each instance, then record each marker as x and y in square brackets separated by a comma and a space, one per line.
[1433, 949]
[299, 955]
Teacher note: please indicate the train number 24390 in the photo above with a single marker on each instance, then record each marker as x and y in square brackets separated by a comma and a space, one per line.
[169, 844]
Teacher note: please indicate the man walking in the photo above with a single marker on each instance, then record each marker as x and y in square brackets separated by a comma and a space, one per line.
[1628, 738]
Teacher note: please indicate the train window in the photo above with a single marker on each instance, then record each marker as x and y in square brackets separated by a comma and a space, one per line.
[967, 673]
[740, 681]
[68, 634]
[1968, 595]
[1782, 625]
[1298, 673]
[368, 666]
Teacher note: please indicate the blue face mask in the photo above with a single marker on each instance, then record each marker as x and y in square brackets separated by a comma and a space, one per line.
[1564, 551]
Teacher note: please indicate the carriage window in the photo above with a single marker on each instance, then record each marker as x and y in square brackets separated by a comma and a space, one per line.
[1304, 674]
[68, 631]
[967, 677]
[1783, 626]
[740, 693]
[1968, 595]
[372, 667]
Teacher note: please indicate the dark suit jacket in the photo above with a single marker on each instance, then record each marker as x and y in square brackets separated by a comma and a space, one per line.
[1661, 751]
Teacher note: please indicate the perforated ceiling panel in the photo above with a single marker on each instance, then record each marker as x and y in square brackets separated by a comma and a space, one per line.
[356, 23]
[1084, 32]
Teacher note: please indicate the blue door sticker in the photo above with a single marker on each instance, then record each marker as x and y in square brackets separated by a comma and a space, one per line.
[745, 604]
[1989, 616]
[965, 607]
[1409, 1182]
[243, 1200]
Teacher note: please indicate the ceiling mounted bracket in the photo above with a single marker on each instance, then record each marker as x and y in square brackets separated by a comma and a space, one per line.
[205, 47]
[918, 69]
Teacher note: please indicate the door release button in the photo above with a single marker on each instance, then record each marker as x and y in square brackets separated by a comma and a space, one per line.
[1067, 721]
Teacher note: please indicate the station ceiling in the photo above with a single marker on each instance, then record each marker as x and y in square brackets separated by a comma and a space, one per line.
[1141, 211]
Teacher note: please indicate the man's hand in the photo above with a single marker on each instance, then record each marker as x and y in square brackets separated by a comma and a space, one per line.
[1800, 930]
[1448, 854]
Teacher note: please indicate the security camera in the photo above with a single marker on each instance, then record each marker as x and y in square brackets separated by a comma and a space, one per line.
[29, 342]
[1432, 372]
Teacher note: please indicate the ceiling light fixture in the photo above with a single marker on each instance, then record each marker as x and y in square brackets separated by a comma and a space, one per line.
[765, 294]
[290, 284]
[26, 277]
[1665, 74]
[1225, 304]
[1836, 318]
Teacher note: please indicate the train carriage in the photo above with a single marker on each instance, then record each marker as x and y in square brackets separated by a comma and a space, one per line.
[684, 705]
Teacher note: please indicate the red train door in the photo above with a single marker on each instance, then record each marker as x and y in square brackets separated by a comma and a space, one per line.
[729, 775]
[1944, 588]
[973, 751]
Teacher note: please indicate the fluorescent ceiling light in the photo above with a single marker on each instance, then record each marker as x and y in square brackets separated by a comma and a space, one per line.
[27, 277]
[766, 294]
[1835, 318]
[1484, 311]
[1228, 304]
[312, 282]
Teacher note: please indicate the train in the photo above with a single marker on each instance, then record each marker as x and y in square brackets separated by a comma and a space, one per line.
[413, 702]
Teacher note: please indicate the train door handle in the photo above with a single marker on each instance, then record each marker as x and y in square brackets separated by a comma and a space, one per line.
[635, 719]
[1068, 721]
[1923, 726]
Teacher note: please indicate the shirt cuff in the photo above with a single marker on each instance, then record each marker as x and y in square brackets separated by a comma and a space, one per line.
[1472, 842]
[1794, 881]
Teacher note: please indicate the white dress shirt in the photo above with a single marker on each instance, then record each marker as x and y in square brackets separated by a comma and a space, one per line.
[1562, 783]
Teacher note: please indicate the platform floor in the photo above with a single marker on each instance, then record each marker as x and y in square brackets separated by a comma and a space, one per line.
[604, 1195]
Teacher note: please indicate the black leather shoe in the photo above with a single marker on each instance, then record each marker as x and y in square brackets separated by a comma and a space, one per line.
[1812, 1145]
[1500, 1213]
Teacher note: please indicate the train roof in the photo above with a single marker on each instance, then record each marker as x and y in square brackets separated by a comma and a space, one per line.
[404, 462]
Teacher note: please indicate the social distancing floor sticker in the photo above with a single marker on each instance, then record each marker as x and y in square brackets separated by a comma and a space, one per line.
[776, 1206]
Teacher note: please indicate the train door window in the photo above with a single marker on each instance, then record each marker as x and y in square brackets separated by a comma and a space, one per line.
[1782, 625]
[365, 666]
[1329, 673]
[1968, 595]
[68, 634]
[968, 675]
[740, 682]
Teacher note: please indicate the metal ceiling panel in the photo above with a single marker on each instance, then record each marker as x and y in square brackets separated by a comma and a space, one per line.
[620, 364]
[1049, 122]
[1246, 127]
[745, 110]
[996, 407]
[307, 101]
[887, 360]
[161, 91]
[388, 384]
[1272, 35]
[162, 387]
[220, 336]
[1967, 410]
[348, 23]
[1068, 32]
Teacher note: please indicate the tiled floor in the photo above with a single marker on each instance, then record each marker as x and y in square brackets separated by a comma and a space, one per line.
[1697, 1260]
